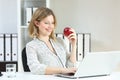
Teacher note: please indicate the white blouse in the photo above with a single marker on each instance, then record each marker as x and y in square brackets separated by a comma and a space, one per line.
[39, 56]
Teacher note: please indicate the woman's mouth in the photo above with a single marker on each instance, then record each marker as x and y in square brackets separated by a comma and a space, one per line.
[49, 30]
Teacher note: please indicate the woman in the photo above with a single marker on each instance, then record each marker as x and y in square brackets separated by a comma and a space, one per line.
[45, 53]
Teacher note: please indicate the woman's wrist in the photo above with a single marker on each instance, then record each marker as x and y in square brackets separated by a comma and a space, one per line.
[61, 70]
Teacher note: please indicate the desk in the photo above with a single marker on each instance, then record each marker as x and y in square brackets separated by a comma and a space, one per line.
[30, 76]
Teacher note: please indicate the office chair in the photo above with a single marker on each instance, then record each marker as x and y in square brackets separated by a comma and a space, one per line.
[1, 74]
[24, 60]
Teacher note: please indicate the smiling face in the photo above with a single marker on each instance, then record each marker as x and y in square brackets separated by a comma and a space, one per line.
[46, 26]
[43, 23]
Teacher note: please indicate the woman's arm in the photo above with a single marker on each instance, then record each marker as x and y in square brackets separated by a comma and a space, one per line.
[73, 54]
[72, 39]
[56, 70]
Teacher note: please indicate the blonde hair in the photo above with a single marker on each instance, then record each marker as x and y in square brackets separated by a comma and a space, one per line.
[39, 15]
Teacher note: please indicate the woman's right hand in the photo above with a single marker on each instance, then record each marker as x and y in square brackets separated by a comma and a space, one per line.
[68, 70]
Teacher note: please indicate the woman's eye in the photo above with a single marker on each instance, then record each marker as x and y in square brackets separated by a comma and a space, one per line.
[49, 23]
[46, 23]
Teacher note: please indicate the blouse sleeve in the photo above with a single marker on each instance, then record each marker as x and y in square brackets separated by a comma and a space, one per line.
[35, 66]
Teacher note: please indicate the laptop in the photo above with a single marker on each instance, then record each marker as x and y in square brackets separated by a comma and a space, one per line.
[95, 64]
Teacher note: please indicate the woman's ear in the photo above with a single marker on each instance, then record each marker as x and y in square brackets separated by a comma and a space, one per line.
[36, 23]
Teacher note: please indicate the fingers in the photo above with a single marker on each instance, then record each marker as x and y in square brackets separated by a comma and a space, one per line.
[69, 70]
[72, 70]
[72, 36]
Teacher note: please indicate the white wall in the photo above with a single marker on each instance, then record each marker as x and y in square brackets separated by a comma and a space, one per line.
[8, 16]
[101, 18]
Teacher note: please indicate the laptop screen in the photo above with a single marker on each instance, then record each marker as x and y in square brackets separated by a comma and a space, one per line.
[98, 63]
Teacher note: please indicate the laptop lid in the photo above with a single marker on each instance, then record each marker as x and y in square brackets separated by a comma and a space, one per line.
[98, 64]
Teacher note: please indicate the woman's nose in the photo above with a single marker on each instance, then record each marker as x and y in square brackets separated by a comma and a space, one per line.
[51, 25]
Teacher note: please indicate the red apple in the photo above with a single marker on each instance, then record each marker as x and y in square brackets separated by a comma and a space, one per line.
[67, 31]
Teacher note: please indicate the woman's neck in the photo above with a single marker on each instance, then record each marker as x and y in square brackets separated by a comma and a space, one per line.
[43, 38]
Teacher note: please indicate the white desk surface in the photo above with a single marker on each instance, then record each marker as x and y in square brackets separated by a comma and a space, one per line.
[29, 76]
